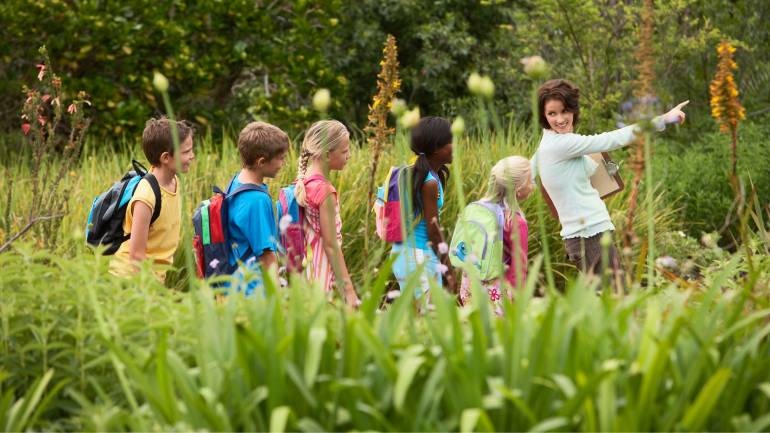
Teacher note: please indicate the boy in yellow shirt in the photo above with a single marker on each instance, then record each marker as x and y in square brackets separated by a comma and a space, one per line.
[156, 241]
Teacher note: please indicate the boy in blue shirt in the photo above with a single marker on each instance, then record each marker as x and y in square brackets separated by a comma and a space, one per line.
[251, 216]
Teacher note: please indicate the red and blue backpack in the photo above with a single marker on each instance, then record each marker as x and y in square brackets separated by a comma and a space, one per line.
[211, 241]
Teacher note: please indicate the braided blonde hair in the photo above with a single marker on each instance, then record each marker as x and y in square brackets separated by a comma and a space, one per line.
[321, 138]
[508, 175]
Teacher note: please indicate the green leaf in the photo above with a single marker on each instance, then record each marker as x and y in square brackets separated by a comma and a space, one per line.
[475, 417]
[316, 339]
[550, 424]
[699, 412]
[278, 418]
[408, 365]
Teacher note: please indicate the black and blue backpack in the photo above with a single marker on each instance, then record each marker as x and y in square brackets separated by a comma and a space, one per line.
[108, 211]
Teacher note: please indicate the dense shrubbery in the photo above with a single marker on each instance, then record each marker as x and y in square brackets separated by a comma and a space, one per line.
[232, 61]
[697, 175]
[222, 58]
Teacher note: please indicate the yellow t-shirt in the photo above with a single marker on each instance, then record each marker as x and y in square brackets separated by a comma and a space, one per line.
[163, 237]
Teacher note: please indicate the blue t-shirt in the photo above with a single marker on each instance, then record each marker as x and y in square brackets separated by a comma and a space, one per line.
[421, 230]
[251, 223]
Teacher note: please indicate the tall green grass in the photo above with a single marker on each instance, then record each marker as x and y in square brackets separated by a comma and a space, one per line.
[217, 161]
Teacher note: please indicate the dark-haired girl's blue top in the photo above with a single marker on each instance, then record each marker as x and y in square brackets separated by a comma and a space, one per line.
[421, 230]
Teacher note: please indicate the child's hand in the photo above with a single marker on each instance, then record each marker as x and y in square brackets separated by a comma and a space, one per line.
[675, 115]
[351, 298]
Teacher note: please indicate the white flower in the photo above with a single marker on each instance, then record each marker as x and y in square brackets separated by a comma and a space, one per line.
[393, 294]
[321, 100]
[214, 263]
[398, 107]
[458, 126]
[472, 258]
[443, 248]
[474, 83]
[442, 268]
[284, 223]
[534, 66]
[411, 118]
[487, 88]
[160, 82]
[667, 262]
[282, 281]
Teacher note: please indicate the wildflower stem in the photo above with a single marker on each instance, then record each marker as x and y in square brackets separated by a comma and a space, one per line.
[650, 210]
[185, 242]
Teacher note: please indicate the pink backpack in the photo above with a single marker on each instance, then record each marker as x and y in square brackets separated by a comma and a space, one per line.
[292, 239]
[387, 208]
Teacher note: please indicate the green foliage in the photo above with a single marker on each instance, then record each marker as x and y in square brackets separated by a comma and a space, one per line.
[129, 355]
[229, 62]
[697, 176]
[226, 61]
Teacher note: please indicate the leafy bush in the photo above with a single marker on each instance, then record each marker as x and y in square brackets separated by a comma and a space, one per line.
[697, 175]
[226, 61]
[238, 60]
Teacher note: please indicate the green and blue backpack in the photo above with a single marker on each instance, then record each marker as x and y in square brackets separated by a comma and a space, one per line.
[478, 240]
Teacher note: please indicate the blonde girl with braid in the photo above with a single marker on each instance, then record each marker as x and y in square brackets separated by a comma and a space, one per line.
[326, 147]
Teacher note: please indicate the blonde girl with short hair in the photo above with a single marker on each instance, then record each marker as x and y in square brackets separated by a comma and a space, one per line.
[326, 147]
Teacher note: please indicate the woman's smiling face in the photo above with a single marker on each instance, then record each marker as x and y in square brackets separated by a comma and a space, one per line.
[559, 119]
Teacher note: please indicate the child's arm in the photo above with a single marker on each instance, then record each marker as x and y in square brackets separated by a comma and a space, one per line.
[140, 229]
[430, 215]
[333, 250]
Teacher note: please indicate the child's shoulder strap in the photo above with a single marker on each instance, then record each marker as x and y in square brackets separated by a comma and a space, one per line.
[155, 186]
[315, 177]
[243, 187]
[497, 209]
[247, 187]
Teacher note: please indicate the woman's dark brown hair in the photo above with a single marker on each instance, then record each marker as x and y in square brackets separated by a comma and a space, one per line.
[560, 90]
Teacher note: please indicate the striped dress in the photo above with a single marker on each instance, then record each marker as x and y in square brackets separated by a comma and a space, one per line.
[319, 266]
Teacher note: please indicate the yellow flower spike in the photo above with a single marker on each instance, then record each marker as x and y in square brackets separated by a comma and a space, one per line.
[726, 109]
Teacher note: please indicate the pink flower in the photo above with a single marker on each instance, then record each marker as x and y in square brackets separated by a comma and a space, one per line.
[443, 248]
[72, 108]
[494, 295]
[25, 127]
[41, 120]
[284, 223]
[41, 72]
[45, 98]
[393, 294]
[442, 268]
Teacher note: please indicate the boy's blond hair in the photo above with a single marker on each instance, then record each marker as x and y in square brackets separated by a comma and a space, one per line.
[261, 140]
[157, 137]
